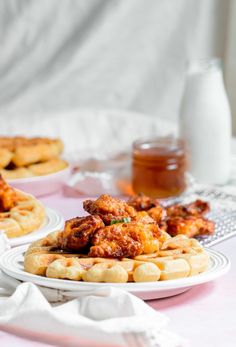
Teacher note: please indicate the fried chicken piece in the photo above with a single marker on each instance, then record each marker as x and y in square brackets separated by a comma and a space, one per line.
[143, 217]
[190, 226]
[8, 196]
[125, 240]
[195, 208]
[152, 206]
[142, 202]
[158, 213]
[109, 208]
[78, 232]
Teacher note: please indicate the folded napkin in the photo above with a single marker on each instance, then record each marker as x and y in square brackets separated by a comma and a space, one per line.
[104, 317]
[99, 318]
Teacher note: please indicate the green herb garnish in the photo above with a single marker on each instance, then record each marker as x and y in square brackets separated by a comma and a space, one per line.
[122, 220]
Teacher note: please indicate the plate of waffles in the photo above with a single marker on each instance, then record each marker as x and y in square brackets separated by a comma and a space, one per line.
[23, 218]
[138, 245]
[43, 185]
[33, 165]
[12, 263]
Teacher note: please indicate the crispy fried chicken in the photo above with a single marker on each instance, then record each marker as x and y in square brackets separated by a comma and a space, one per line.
[143, 217]
[158, 213]
[190, 226]
[109, 209]
[195, 208]
[8, 196]
[125, 240]
[142, 202]
[116, 230]
[189, 219]
[151, 206]
[78, 232]
[113, 241]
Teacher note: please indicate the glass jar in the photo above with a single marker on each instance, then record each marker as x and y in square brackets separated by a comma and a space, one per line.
[159, 167]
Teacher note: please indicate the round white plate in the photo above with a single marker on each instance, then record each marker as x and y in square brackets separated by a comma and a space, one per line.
[11, 262]
[42, 185]
[53, 221]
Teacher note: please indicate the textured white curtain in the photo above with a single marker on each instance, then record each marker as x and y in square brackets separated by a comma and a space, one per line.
[60, 55]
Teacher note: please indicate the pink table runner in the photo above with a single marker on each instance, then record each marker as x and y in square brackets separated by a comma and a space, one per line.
[205, 315]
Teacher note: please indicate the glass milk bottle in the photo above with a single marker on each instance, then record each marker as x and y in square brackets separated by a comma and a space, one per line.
[205, 122]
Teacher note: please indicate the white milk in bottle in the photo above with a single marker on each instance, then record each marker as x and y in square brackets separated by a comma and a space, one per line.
[205, 122]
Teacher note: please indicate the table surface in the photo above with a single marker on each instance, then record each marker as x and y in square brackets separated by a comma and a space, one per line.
[204, 315]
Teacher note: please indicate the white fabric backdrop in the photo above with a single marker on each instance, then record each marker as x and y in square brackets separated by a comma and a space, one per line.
[68, 54]
[93, 132]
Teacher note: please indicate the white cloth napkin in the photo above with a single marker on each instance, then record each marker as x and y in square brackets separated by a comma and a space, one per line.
[97, 318]
[105, 317]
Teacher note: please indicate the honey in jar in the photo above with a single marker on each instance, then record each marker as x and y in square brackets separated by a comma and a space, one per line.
[159, 167]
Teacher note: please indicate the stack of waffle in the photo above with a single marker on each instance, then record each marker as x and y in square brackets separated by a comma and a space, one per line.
[26, 157]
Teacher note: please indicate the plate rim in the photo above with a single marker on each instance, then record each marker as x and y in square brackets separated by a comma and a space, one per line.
[62, 284]
[34, 179]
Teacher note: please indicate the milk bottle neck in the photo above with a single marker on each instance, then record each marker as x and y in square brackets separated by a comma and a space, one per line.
[201, 66]
[203, 75]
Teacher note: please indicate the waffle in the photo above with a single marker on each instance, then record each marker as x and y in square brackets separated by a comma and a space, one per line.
[178, 257]
[22, 157]
[47, 167]
[12, 143]
[27, 215]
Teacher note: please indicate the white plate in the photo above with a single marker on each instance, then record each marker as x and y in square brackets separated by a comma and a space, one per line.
[53, 221]
[11, 262]
[42, 185]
